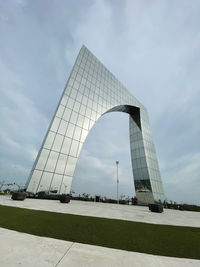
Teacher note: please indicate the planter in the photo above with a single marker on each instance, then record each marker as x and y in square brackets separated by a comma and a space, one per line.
[97, 198]
[134, 202]
[156, 208]
[18, 196]
[65, 198]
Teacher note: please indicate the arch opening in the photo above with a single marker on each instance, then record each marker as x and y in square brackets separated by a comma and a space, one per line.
[95, 171]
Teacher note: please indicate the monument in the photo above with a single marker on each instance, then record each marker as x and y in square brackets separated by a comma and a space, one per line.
[92, 91]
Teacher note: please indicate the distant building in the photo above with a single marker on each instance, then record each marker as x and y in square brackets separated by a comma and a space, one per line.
[91, 91]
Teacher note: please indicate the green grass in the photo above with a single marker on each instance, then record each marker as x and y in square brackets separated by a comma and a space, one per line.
[156, 239]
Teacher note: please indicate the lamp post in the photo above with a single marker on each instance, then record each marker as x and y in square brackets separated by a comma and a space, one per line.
[117, 163]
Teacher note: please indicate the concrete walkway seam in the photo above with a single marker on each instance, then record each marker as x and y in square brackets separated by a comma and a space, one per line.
[64, 254]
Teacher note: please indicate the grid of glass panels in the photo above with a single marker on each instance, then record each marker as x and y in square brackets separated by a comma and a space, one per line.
[92, 91]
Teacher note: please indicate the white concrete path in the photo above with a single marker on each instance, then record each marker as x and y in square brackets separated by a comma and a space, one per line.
[19, 249]
[122, 212]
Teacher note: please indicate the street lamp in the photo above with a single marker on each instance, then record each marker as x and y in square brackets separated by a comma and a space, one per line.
[117, 163]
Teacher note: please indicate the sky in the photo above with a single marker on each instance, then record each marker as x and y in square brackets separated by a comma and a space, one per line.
[152, 47]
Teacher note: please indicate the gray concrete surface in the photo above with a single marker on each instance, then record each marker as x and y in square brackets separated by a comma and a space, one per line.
[122, 212]
[20, 249]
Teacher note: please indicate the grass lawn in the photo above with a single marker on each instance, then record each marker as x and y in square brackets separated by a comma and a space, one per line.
[176, 241]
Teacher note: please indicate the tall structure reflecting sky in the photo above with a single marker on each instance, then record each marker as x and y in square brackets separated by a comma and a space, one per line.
[92, 91]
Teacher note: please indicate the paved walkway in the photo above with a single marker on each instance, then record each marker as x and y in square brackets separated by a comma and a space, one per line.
[19, 249]
[122, 212]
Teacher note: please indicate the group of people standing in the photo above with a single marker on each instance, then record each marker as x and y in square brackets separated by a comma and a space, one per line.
[133, 200]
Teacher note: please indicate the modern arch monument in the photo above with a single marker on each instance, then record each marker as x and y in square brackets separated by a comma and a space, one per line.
[91, 91]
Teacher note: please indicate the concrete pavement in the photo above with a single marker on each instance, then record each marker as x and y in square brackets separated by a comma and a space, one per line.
[106, 210]
[20, 249]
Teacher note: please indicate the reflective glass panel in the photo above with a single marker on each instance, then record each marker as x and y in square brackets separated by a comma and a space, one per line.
[51, 162]
[46, 181]
[77, 133]
[67, 114]
[64, 100]
[58, 142]
[83, 135]
[74, 148]
[80, 120]
[63, 127]
[49, 140]
[42, 159]
[66, 184]
[71, 162]
[74, 117]
[56, 183]
[66, 145]
[34, 182]
[86, 123]
[60, 111]
[55, 124]
[70, 130]
[61, 164]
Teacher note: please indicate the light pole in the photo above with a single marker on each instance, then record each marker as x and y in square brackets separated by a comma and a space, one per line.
[117, 163]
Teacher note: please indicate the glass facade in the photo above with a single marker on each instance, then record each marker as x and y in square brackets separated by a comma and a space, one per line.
[91, 91]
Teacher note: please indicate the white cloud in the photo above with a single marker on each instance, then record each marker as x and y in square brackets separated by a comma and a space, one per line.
[95, 27]
[21, 124]
[182, 180]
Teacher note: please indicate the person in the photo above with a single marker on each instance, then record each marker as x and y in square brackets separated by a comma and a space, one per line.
[127, 199]
[134, 200]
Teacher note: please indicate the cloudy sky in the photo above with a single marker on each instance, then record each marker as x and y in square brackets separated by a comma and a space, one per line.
[153, 47]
